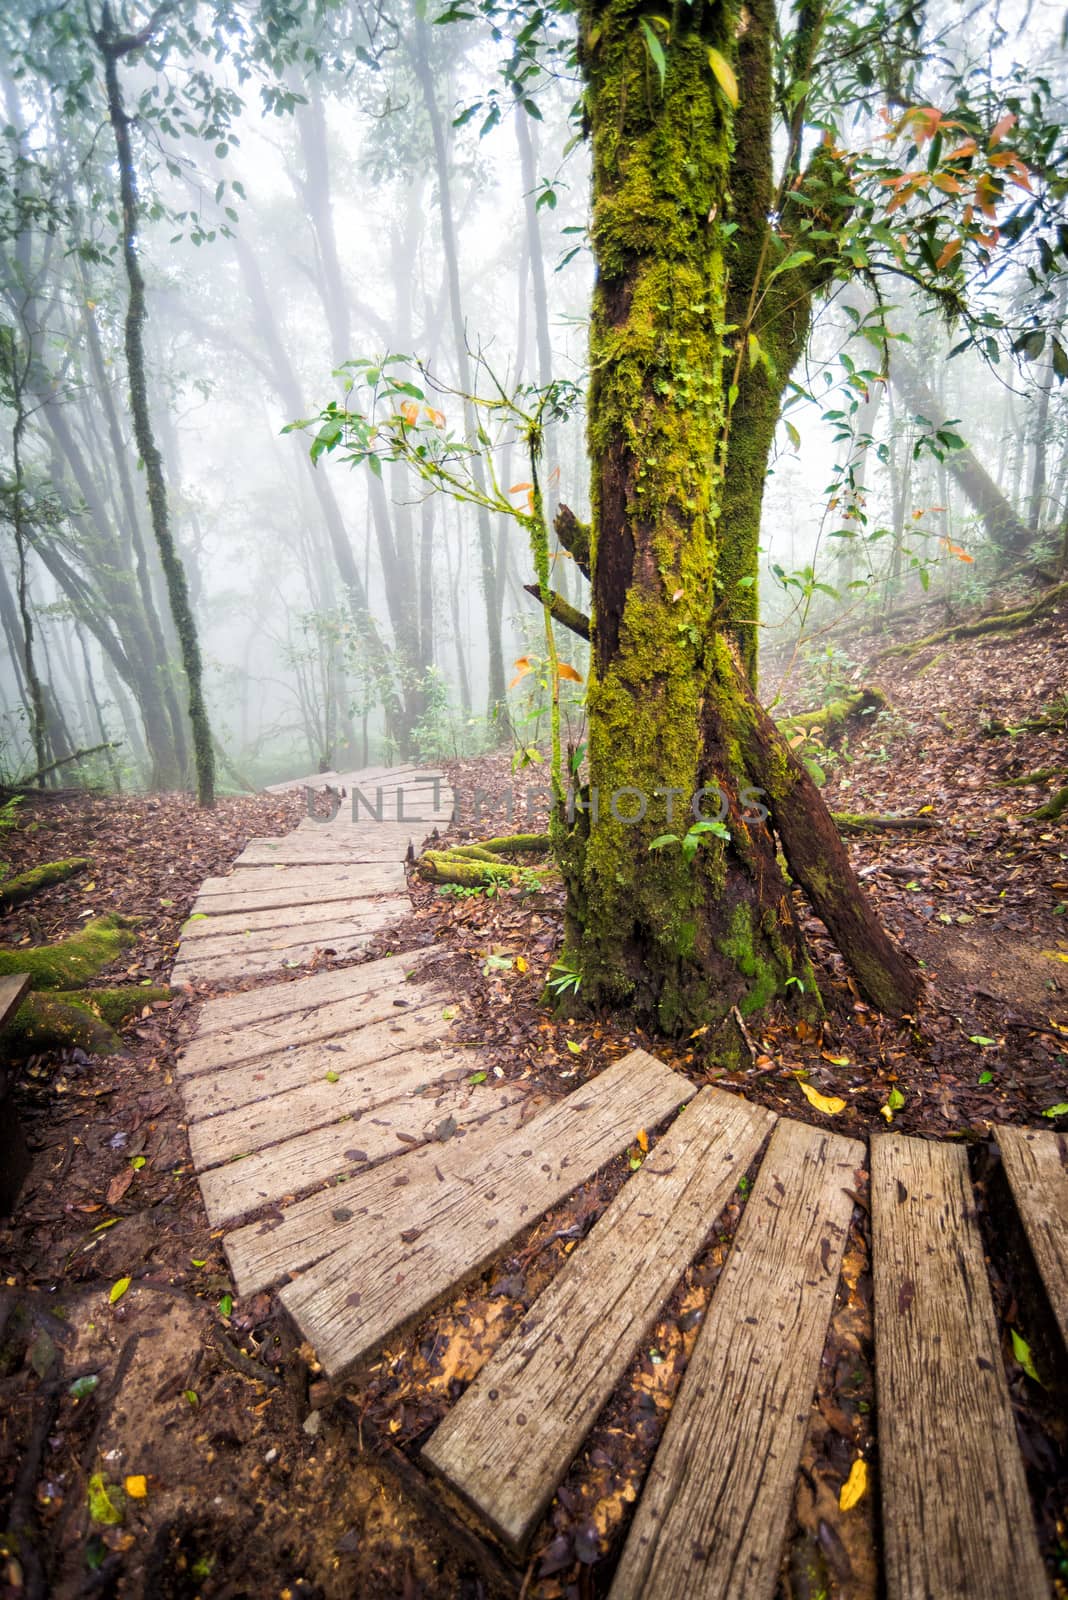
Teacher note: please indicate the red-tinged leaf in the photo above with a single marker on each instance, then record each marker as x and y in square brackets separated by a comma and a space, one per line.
[968, 148]
[518, 488]
[119, 1185]
[436, 417]
[564, 670]
[410, 412]
[947, 184]
[952, 249]
[1001, 128]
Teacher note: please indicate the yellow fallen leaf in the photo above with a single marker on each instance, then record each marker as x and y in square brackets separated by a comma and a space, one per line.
[137, 1486]
[922, 812]
[884, 1111]
[520, 963]
[830, 1104]
[855, 1485]
[836, 1061]
[643, 1141]
[1057, 955]
[118, 1289]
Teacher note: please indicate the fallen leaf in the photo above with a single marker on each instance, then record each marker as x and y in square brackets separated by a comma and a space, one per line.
[829, 1104]
[102, 1508]
[136, 1486]
[1022, 1351]
[118, 1289]
[855, 1485]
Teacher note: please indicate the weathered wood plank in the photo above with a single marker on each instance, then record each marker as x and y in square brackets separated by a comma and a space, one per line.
[321, 934]
[306, 1230]
[395, 1003]
[318, 847]
[197, 961]
[219, 922]
[261, 888]
[340, 1088]
[353, 1146]
[1036, 1165]
[717, 1500]
[509, 1442]
[12, 989]
[404, 1255]
[226, 1013]
[210, 1094]
[956, 1512]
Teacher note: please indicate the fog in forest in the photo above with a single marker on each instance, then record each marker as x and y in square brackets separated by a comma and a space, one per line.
[385, 193]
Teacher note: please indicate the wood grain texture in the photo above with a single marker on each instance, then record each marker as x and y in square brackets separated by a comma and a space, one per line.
[718, 1498]
[226, 928]
[363, 1054]
[219, 961]
[264, 888]
[956, 1513]
[12, 989]
[228, 1013]
[1036, 1165]
[392, 1128]
[508, 1443]
[404, 1255]
[260, 1253]
[395, 1006]
[315, 846]
[327, 1096]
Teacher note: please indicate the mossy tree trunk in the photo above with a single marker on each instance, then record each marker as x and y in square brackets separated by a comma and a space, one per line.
[678, 941]
[114, 47]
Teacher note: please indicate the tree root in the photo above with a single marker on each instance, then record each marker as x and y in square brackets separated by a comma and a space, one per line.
[479, 866]
[1053, 809]
[84, 1019]
[1043, 775]
[996, 622]
[71, 962]
[864, 822]
[832, 718]
[26, 884]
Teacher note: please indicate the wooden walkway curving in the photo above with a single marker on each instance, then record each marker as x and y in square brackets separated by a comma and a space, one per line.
[370, 1166]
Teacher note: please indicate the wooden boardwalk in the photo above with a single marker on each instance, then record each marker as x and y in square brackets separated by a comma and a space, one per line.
[368, 1165]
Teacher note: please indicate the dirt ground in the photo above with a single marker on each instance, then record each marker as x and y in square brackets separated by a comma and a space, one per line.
[161, 1438]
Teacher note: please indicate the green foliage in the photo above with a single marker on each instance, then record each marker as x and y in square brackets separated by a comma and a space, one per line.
[693, 838]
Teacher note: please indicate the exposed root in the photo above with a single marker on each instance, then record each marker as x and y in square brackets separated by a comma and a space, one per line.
[864, 822]
[832, 718]
[26, 884]
[1053, 809]
[479, 866]
[996, 622]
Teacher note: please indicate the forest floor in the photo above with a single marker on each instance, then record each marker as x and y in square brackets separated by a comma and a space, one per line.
[230, 1467]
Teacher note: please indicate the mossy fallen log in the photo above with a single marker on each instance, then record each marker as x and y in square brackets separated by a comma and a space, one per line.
[13, 891]
[84, 1019]
[73, 961]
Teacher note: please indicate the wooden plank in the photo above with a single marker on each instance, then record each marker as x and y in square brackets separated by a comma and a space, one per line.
[232, 1190]
[718, 1498]
[1036, 1165]
[396, 1003]
[339, 1089]
[260, 1253]
[319, 847]
[210, 1094]
[302, 995]
[197, 962]
[12, 989]
[217, 924]
[325, 931]
[956, 1512]
[404, 1254]
[260, 888]
[509, 1442]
